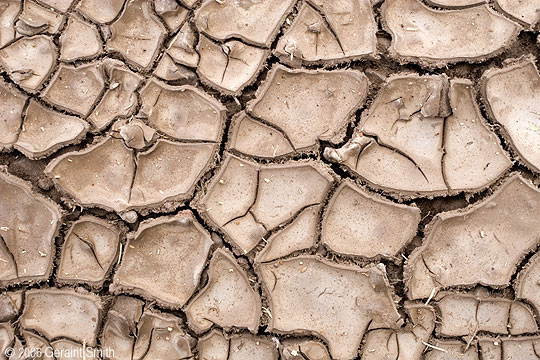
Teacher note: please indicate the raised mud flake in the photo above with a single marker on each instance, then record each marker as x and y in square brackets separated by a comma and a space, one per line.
[35, 19]
[304, 350]
[182, 47]
[439, 144]
[330, 31]
[29, 61]
[481, 244]
[169, 70]
[137, 34]
[10, 305]
[101, 11]
[528, 285]
[164, 260]
[255, 22]
[119, 99]
[246, 200]
[299, 235]
[228, 300]
[510, 348]
[12, 104]
[254, 138]
[76, 89]
[230, 66]
[88, 253]
[309, 105]
[45, 130]
[359, 223]
[182, 112]
[135, 133]
[9, 9]
[513, 99]
[63, 313]
[407, 343]
[173, 14]
[336, 302]
[79, 40]
[525, 11]
[28, 225]
[131, 333]
[467, 314]
[436, 37]
[218, 346]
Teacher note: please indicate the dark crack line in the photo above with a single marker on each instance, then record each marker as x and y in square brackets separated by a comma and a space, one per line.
[10, 254]
[252, 203]
[443, 156]
[132, 181]
[92, 248]
[327, 23]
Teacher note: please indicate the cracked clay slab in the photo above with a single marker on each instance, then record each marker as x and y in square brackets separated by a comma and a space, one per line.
[309, 105]
[528, 284]
[245, 200]
[337, 303]
[228, 299]
[481, 244]
[513, 99]
[424, 136]
[327, 31]
[357, 222]
[218, 346]
[12, 103]
[164, 260]
[80, 40]
[29, 224]
[436, 37]
[254, 22]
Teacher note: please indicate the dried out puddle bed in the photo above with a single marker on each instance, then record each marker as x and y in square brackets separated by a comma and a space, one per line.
[269, 179]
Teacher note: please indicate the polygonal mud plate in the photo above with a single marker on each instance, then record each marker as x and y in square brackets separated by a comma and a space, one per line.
[246, 200]
[528, 285]
[79, 40]
[164, 260]
[172, 13]
[424, 136]
[89, 251]
[29, 224]
[309, 105]
[526, 12]
[513, 99]
[217, 346]
[303, 349]
[482, 244]
[437, 37]
[327, 31]
[12, 104]
[35, 19]
[8, 16]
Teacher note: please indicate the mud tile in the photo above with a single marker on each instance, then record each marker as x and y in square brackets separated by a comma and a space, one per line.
[60, 5]
[119, 99]
[229, 19]
[173, 14]
[89, 249]
[244, 346]
[29, 224]
[75, 89]
[513, 100]
[510, 348]
[10, 304]
[304, 349]
[182, 47]
[437, 37]
[9, 9]
[79, 40]
[45, 131]
[36, 344]
[359, 223]
[336, 302]
[99, 11]
[63, 313]
[11, 114]
[451, 350]
[309, 105]
[168, 70]
[182, 112]
[454, 3]
[528, 285]
[228, 300]
[242, 199]
[29, 61]
[254, 138]
[35, 19]
[326, 31]
[525, 11]
[406, 343]
[164, 260]
[230, 66]
[441, 142]
[137, 34]
[481, 244]
[300, 234]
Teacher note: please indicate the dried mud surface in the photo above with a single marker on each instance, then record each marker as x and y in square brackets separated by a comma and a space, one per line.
[270, 179]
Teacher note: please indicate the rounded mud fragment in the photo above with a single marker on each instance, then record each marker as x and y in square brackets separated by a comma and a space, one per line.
[181, 49]
[89, 251]
[8, 15]
[29, 224]
[170, 12]
[527, 12]
[338, 303]
[528, 284]
[35, 19]
[12, 103]
[227, 300]
[304, 349]
[481, 244]
[101, 11]
[164, 260]
[79, 40]
[359, 223]
[218, 346]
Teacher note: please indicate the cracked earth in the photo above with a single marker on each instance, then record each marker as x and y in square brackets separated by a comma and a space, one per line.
[270, 179]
